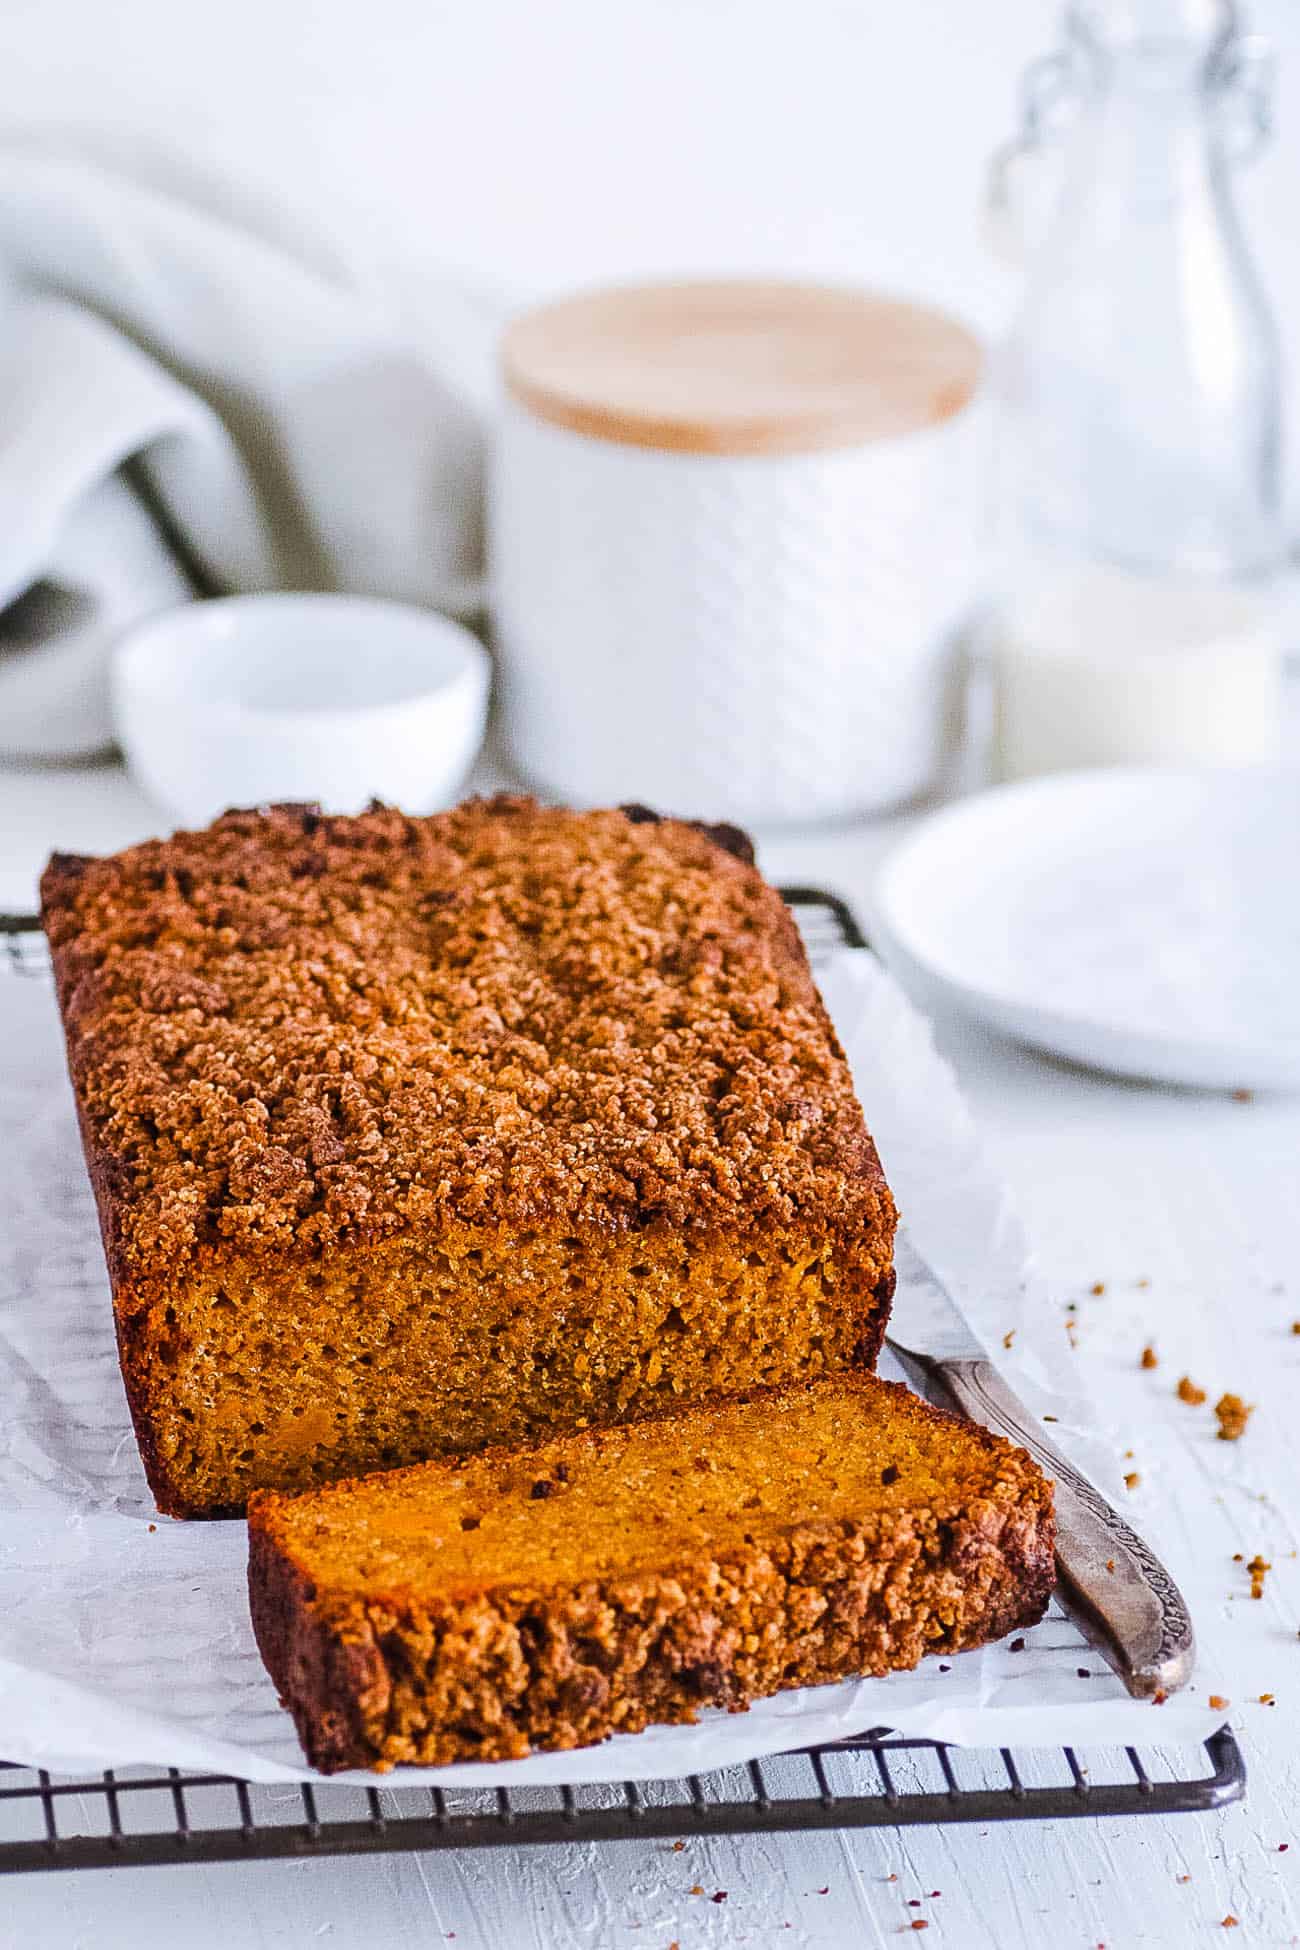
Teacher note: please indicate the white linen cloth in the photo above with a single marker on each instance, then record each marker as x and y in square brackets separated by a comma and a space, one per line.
[188, 403]
[125, 1638]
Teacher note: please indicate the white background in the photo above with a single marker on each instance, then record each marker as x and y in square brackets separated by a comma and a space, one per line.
[534, 146]
[534, 143]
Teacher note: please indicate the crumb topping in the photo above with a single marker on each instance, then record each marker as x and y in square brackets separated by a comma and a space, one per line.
[297, 1029]
[1233, 1414]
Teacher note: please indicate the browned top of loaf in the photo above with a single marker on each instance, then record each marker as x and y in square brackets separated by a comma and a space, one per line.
[291, 1029]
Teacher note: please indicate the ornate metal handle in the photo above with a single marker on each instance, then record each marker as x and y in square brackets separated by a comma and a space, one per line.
[1112, 1576]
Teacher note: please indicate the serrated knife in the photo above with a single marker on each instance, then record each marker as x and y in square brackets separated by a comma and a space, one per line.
[1125, 1596]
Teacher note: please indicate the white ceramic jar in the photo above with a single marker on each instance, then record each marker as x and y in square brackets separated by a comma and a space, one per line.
[732, 545]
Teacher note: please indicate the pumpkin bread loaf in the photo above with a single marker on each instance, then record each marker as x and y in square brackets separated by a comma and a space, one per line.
[411, 1135]
[545, 1597]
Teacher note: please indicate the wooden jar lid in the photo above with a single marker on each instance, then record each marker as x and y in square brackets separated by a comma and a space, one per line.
[740, 367]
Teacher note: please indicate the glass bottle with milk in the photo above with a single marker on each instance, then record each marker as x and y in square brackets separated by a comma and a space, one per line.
[1140, 614]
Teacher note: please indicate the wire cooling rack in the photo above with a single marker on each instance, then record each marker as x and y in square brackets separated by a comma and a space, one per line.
[147, 1816]
[139, 1817]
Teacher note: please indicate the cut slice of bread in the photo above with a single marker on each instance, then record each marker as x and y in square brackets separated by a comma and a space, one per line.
[546, 1597]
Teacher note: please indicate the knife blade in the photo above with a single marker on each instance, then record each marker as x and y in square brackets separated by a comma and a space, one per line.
[1109, 1576]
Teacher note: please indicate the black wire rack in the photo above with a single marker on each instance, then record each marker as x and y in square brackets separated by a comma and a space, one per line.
[149, 1816]
[140, 1817]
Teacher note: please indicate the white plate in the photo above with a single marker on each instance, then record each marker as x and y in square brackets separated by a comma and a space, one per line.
[1144, 922]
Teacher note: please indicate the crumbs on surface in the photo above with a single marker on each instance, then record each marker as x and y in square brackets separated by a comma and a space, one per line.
[1233, 1414]
[1131, 1479]
[1150, 1359]
[301, 1028]
[1258, 1568]
[1187, 1391]
[1008, 1337]
[1217, 1703]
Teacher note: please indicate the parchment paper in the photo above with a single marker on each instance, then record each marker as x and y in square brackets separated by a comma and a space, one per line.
[124, 1636]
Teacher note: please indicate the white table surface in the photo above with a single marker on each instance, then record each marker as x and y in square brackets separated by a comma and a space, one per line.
[1199, 1196]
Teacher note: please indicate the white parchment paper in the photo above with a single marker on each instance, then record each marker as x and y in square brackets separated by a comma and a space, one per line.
[125, 1638]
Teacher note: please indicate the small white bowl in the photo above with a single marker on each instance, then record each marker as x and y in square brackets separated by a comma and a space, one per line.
[338, 699]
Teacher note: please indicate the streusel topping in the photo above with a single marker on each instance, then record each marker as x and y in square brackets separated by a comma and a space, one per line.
[301, 1028]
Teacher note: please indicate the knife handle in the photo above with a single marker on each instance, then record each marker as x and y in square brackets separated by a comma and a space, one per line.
[1111, 1575]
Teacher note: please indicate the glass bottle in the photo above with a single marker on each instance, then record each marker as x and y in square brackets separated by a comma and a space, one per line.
[1138, 615]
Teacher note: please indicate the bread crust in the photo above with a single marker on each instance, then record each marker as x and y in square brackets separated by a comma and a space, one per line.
[379, 1677]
